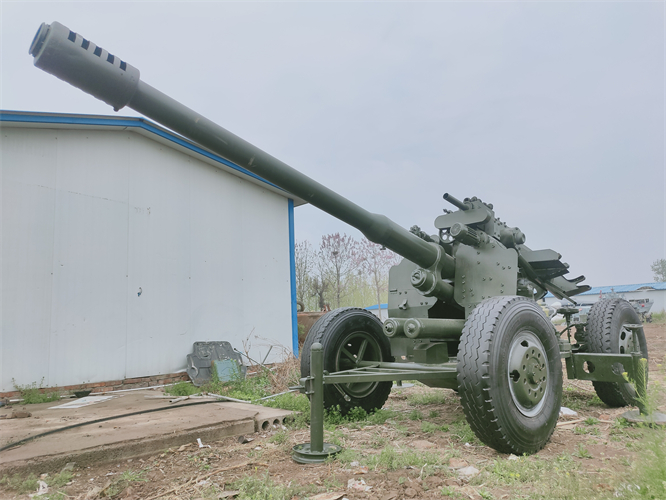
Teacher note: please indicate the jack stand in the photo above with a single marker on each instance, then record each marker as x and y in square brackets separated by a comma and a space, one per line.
[316, 451]
[641, 415]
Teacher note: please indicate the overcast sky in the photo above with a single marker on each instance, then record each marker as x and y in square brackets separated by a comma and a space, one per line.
[553, 112]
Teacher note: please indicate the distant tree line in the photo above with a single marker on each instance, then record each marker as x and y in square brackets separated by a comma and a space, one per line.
[342, 271]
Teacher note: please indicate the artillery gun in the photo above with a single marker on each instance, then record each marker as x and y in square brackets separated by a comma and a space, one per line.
[462, 303]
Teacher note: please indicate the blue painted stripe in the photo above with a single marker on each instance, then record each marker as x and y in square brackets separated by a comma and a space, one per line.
[126, 122]
[292, 272]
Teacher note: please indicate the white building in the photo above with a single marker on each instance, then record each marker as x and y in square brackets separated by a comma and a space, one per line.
[380, 313]
[656, 292]
[123, 243]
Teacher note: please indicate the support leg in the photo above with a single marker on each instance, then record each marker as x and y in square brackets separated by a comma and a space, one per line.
[316, 451]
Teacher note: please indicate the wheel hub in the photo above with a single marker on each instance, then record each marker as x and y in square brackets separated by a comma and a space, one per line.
[356, 347]
[626, 340]
[528, 373]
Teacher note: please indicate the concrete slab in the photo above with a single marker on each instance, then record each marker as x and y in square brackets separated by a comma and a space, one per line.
[158, 426]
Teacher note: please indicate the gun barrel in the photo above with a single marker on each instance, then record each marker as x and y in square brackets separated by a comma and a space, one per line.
[455, 201]
[72, 58]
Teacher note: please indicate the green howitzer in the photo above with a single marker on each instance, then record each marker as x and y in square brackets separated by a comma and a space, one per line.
[462, 304]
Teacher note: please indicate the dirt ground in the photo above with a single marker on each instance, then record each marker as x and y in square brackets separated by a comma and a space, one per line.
[419, 452]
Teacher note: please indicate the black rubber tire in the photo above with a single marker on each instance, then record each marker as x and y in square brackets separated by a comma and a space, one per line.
[490, 332]
[349, 326]
[604, 331]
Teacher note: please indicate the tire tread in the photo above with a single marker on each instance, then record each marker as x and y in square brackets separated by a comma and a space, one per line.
[474, 377]
[332, 396]
[599, 336]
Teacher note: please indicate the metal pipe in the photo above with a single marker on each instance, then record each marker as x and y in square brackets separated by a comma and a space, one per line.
[390, 365]
[434, 328]
[455, 202]
[640, 382]
[70, 57]
[317, 398]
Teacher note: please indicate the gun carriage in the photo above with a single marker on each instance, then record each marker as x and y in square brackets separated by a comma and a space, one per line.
[462, 304]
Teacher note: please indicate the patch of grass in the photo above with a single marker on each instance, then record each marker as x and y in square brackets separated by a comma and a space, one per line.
[335, 436]
[649, 471]
[595, 401]
[58, 495]
[391, 459]
[334, 417]
[529, 469]
[415, 415]
[291, 401]
[591, 421]
[433, 414]
[347, 456]
[620, 423]
[582, 452]
[262, 487]
[19, 484]
[426, 398]
[485, 494]
[182, 389]
[447, 491]
[379, 442]
[429, 427]
[33, 393]
[594, 431]
[621, 430]
[381, 416]
[279, 438]
[123, 481]
[248, 388]
[133, 476]
[463, 432]
[60, 479]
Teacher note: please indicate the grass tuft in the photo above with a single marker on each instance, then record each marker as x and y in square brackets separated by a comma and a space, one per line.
[262, 487]
[20, 484]
[463, 432]
[182, 389]
[390, 459]
[430, 428]
[34, 394]
[426, 398]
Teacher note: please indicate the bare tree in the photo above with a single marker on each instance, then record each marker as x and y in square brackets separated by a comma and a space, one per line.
[375, 261]
[304, 257]
[318, 288]
[338, 260]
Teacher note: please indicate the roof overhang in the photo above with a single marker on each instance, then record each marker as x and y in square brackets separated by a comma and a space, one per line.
[141, 126]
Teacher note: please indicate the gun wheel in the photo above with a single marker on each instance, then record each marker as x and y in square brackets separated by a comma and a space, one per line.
[510, 375]
[349, 336]
[606, 333]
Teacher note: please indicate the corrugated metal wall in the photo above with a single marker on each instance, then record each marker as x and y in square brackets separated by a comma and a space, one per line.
[119, 252]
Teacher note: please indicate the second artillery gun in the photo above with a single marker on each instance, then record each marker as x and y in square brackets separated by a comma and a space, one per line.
[462, 303]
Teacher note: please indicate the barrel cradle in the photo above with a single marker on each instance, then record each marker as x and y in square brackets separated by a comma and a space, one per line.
[462, 303]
